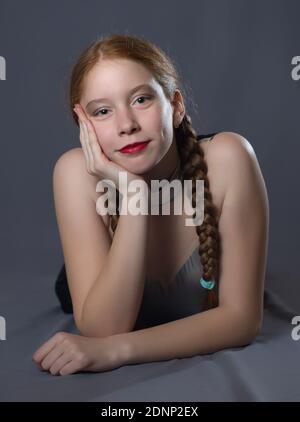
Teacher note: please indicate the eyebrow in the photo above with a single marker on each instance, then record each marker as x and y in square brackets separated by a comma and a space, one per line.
[132, 91]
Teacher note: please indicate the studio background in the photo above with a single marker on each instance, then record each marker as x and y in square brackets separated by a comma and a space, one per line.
[235, 60]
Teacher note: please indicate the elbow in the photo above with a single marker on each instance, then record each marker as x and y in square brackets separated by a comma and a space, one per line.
[247, 326]
[87, 329]
[248, 334]
[91, 326]
[99, 330]
[86, 325]
[82, 328]
[255, 331]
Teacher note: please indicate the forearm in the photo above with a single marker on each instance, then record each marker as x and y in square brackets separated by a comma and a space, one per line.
[202, 333]
[114, 300]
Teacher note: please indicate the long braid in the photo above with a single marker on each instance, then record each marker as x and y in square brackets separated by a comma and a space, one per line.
[194, 168]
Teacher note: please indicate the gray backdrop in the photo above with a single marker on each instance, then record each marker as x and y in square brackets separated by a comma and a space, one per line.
[235, 58]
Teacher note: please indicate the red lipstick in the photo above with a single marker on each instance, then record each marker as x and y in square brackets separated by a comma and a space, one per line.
[135, 147]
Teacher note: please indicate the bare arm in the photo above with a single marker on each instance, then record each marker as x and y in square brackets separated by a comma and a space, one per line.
[206, 332]
[105, 278]
[114, 300]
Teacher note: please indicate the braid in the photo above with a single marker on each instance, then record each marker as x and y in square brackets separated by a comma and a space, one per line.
[194, 168]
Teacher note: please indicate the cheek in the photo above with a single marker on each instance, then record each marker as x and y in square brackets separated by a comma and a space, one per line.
[167, 132]
[157, 118]
[166, 123]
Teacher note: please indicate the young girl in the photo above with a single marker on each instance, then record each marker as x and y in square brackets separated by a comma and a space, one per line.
[149, 287]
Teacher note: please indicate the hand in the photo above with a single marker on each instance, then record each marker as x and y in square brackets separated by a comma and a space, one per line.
[98, 163]
[66, 353]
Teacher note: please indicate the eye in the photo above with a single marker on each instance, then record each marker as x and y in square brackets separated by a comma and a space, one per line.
[148, 97]
[96, 113]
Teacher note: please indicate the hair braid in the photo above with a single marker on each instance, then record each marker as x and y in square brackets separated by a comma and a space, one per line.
[194, 167]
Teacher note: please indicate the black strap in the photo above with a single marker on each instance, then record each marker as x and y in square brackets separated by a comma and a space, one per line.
[210, 136]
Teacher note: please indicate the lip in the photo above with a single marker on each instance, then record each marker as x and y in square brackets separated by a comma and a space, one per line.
[134, 147]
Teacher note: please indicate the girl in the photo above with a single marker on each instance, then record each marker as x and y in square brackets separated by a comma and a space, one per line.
[148, 287]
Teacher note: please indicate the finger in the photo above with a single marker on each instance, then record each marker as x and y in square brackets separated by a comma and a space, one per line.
[42, 351]
[83, 145]
[80, 113]
[92, 134]
[52, 356]
[81, 116]
[89, 128]
[70, 368]
[85, 135]
[94, 143]
[60, 363]
[88, 145]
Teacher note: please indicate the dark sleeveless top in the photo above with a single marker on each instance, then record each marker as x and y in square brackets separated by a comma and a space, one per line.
[184, 296]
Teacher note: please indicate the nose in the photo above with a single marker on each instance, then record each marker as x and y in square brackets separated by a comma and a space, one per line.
[127, 122]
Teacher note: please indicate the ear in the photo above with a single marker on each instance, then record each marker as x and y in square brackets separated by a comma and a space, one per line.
[178, 108]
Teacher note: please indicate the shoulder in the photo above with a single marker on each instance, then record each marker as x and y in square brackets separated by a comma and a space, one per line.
[231, 154]
[230, 157]
[229, 145]
[70, 172]
[71, 169]
[73, 159]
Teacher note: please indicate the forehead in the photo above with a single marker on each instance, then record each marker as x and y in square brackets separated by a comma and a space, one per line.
[111, 77]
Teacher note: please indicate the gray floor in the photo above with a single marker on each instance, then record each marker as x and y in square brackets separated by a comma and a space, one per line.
[266, 370]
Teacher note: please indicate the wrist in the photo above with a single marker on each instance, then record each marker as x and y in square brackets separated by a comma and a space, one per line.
[123, 348]
[135, 203]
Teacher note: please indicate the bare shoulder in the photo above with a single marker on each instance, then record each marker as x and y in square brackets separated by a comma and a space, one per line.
[72, 165]
[230, 158]
[227, 143]
[234, 157]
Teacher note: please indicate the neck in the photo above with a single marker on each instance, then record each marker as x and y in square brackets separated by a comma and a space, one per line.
[175, 172]
[168, 167]
[174, 175]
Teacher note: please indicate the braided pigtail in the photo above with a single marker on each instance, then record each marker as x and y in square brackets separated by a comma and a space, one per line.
[194, 167]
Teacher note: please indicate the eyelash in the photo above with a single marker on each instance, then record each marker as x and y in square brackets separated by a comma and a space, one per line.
[148, 97]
